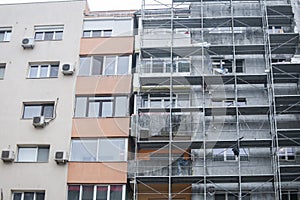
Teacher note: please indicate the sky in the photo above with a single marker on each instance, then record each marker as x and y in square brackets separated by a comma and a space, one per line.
[96, 4]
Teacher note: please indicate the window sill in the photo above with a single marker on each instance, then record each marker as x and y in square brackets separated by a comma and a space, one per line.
[31, 162]
[98, 162]
[47, 40]
[42, 78]
[4, 41]
[100, 117]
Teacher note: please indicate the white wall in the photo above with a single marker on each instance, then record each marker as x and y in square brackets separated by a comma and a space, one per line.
[16, 89]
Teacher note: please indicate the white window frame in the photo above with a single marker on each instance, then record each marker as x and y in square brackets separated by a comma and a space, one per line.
[39, 65]
[104, 64]
[44, 29]
[101, 34]
[36, 148]
[2, 67]
[42, 105]
[7, 34]
[22, 193]
[162, 100]
[95, 190]
[284, 154]
[97, 150]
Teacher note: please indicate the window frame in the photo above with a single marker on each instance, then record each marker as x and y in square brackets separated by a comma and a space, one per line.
[54, 29]
[227, 195]
[95, 190]
[104, 64]
[37, 148]
[222, 63]
[146, 100]
[97, 153]
[285, 154]
[7, 33]
[39, 67]
[101, 99]
[225, 153]
[42, 105]
[102, 33]
[2, 68]
[22, 192]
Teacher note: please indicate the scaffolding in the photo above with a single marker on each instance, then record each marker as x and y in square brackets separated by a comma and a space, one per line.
[216, 101]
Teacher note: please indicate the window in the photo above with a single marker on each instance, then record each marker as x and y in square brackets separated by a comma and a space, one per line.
[164, 65]
[163, 101]
[104, 65]
[48, 33]
[286, 154]
[35, 110]
[5, 34]
[43, 70]
[33, 154]
[228, 154]
[99, 150]
[275, 29]
[2, 71]
[101, 106]
[97, 33]
[231, 196]
[290, 195]
[96, 192]
[29, 195]
[224, 66]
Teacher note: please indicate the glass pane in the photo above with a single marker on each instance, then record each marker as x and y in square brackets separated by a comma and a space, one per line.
[157, 66]
[110, 63]
[112, 150]
[107, 33]
[101, 193]
[2, 33]
[28, 195]
[96, 33]
[107, 109]
[116, 192]
[97, 65]
[17, 196]
[293, 196]
[84, 68]
[38, 36]
[220, 197]
[80, 108]
[40, 196]
[49, 35]
[43, 154]
[33, 73]
[155, 103]
[87, 192]
[233, 196]
[48, 111]
[183, 67]
[86, 33]
[73, 192]
[84, 150]
[7, 36]
[54, 71]
[123, 65]
[94, 109]
[44, 71]
[121, 106]
[2, 71]
[27, 154]
[183, 100]
[31, 111]
[58, 35]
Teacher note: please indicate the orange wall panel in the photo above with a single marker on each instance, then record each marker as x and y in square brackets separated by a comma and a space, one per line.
[106, 46]
[101, 127]
[103, 85]
[97, 173]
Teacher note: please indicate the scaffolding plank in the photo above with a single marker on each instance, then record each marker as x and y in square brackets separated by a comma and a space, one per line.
[165, 80]
[287, 109]
[286, 67]
[286, 78]
[287, 100]
[242, 110]
[288, 133]
[281, 10]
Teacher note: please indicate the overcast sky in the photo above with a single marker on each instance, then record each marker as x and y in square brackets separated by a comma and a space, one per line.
[96, 4]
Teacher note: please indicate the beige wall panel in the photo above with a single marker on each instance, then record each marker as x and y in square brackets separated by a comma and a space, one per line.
[97, 173]
[107, 46]
[103, 85]
[101, 127]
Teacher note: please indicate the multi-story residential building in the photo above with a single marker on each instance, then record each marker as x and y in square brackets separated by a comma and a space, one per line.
[216, 101]
[184, 99]
[66, 70]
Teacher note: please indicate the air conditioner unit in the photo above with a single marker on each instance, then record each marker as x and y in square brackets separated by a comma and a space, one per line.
[39, 122]
[60, 157]
[7, 155]
[67, 69]
[28, 43]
